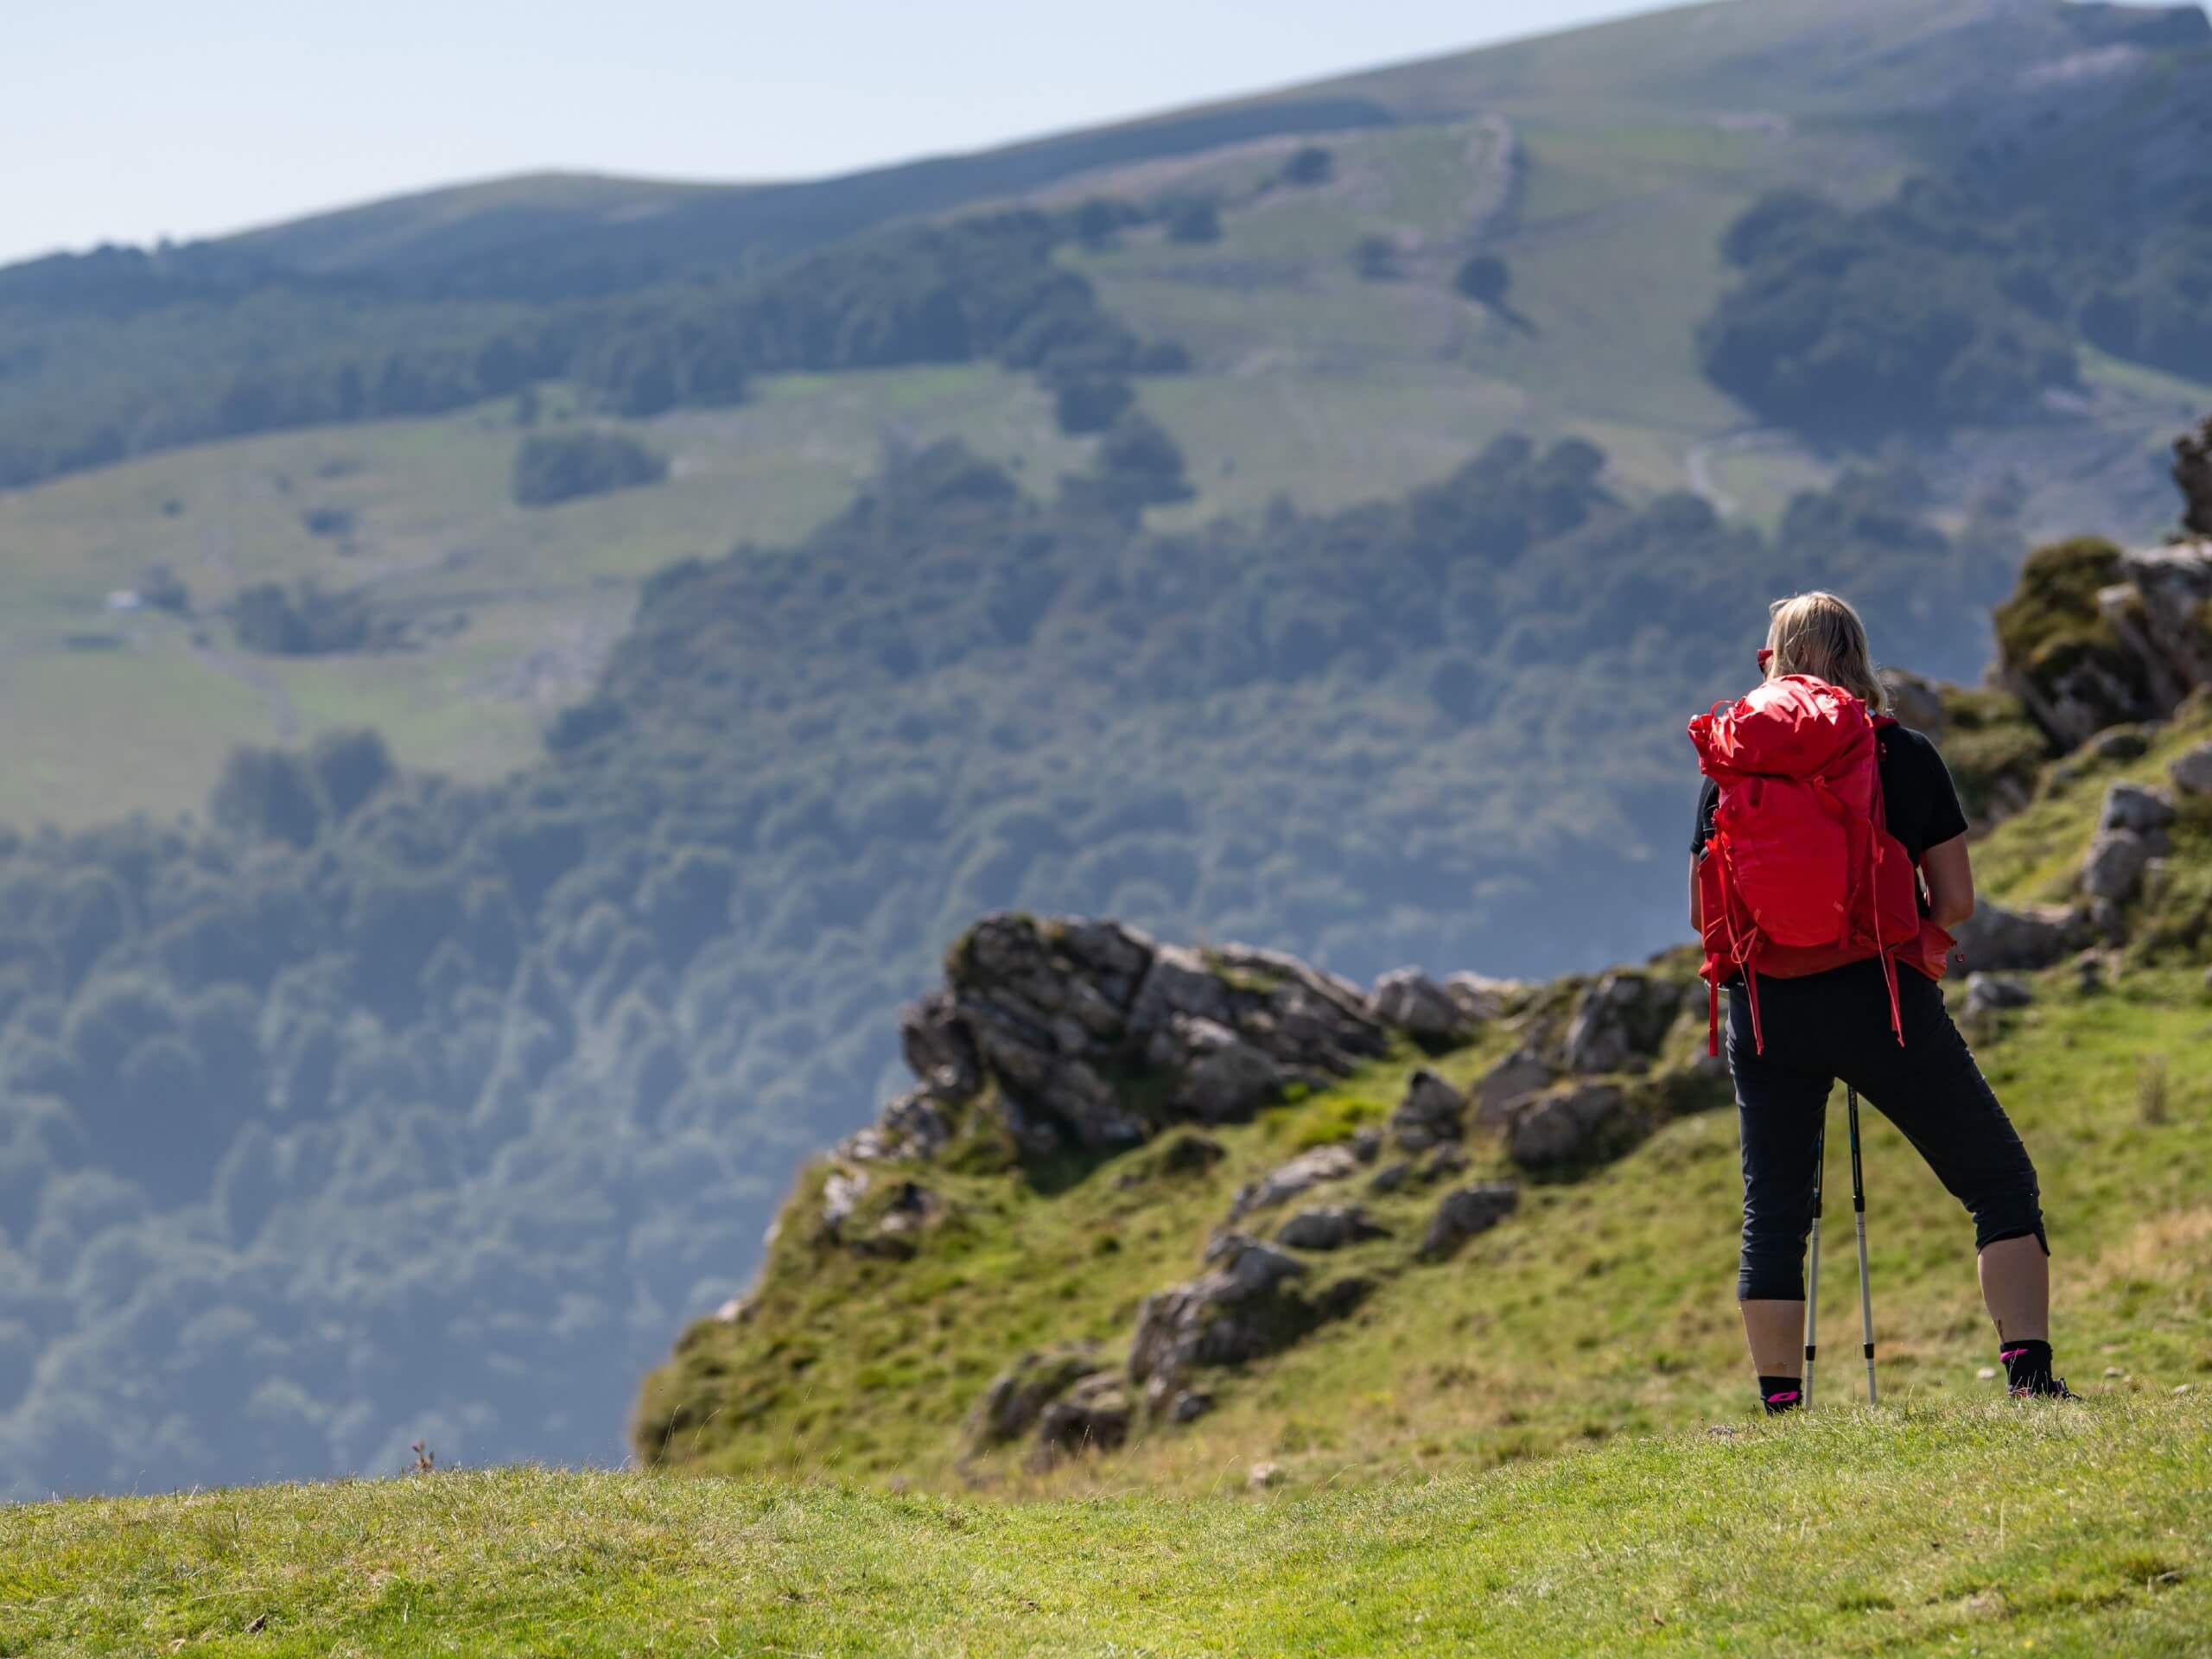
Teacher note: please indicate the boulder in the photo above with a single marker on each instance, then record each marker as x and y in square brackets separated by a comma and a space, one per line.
[2135, 806]
[1246, 1303]
[1188, 1405]
[1328, 1227]
[1179, 983]
[1392, 1176]
[1447, 1159]
[1410, 999]
[2192, 772]
[2114, 869]
[2000, 939]
[1507, 1084]
[1308, 1169]
[1465, 1212]
[1988, 993]
[1575, 1123]
[1620, 1017]
[1019, 1394]
[1430, 1112]
[1091, 1416]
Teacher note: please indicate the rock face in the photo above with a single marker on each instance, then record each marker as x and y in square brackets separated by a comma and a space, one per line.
[1410, 999]
[1056, 1020]
[1464, 1213]
[2002, 939]
[1431, 1112]
[1619, 1017]
[2142, 652]
[1327, 1227]
[2114, 869]
[1483, 999]
[1507, 1085]
[1576, 1123]
[1245, 1305]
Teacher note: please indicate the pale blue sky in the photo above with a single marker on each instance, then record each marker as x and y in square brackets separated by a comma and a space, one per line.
[139, 118]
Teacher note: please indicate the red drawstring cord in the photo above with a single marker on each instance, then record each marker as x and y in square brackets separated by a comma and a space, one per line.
[1874, 900]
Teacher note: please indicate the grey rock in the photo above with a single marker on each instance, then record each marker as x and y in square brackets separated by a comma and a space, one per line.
[1483, 999]
[1189, 1405]
[1917, 701]
[2000, 939]
[1019, 1394]
[1410, 999]
[2192, 772]
[2119, 743]
[1178, 983]
[1225, 1080]
[1576, 1123]
[1462, 1214]
[1091, 1416]
[2193, 477]
[1327, 1227]
[938, 1048]
[1246, 1303]
[1988, 993]
[1507, 1084]
[896, 1231]
[1447, 1159]
[1430, 1111]
[1367, 1143]
[1391, 1177]
[840, 1191]
[910, 1127]
[1620, 1017]
[1333, 1163]
[2136, 806]
[2114, 867]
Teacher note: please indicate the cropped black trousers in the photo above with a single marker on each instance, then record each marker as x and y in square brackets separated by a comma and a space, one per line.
[1836, 1024]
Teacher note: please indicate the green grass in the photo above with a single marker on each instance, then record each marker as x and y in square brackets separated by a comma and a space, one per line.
[145, 724]
[1986, 1529]
[1603, 1309]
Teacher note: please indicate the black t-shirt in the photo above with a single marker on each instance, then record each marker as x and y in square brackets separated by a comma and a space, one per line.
[1918, 801]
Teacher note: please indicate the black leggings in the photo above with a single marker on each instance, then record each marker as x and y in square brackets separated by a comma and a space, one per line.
[1837, 1025]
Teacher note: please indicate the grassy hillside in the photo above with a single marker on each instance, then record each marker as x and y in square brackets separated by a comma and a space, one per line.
[1916, 1529]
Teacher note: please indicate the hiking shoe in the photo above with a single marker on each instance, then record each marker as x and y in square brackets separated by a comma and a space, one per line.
[2050, 1388]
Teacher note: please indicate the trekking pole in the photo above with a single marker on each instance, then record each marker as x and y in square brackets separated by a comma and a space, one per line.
[1813, 1267]
[1859, 1208]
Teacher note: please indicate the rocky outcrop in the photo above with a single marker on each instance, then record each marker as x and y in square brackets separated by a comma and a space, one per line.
[2137, 807]
[1508, 1084]
[1018, 1395]
[1410, 999]
[1328, 1227]
[2114, 869]
[1619, 1017]
[2096, 637]
[2193, 475]
[1094, 1416]
[1573, 1125]
[1246, 1304]
[1483, 999]
[2003, 939]
[1464, 1213]
[1286, 1181]
[1087, 1033]
[1431, 1112]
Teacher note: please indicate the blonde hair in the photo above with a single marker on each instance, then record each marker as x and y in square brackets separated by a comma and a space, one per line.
[1821, 635]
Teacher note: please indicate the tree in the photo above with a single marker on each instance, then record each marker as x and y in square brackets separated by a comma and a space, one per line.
[1484, 279]
[1309, 165]
[563, 467]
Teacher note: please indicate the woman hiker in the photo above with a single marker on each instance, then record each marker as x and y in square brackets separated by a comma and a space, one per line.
[1792, 1033]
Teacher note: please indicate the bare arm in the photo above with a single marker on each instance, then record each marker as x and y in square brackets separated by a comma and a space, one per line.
[1949, 870]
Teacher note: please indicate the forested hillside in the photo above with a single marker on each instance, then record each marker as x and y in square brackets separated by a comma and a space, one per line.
[575, 700]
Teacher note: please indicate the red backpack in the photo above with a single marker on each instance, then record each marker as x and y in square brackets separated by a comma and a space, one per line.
[1802, 873]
